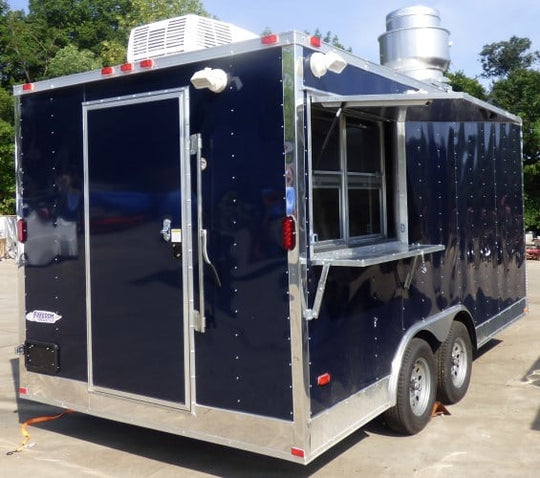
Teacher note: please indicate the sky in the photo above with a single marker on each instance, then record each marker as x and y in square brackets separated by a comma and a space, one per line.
[358, 23]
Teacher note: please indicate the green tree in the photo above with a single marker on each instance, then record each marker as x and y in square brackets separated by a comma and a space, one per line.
[100, 26]
[519, 93]
[25, 51]
[7, 171]
[58, 37]
[6, 106]
[146, 11]
[531, 178]
[460, 82]
[70, 60]
[516, 88]
[85, 24]
[500, 58]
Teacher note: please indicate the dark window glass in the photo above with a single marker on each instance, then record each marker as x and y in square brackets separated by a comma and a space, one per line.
[325, 143]
[364, 212]
[326, 213]
[363, 147]
[359, 169]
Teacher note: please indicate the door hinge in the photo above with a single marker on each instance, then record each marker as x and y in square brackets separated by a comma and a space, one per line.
[195, 144]
[20, 349]
[199, 321]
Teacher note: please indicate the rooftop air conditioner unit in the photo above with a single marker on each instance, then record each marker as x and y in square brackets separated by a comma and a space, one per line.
[182, 34]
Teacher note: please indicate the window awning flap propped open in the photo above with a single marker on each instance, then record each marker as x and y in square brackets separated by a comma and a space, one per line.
[417, 106]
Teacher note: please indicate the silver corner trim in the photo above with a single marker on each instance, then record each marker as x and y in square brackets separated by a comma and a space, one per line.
[496, 324]
[294, 178]
[347, 416]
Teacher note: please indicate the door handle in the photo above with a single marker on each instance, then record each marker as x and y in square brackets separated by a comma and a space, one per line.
[166, 230]
[204, 243]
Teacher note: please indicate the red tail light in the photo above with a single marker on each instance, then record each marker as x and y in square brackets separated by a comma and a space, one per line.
[127, 67]
[147, 63]
[288, 230]
[315, 41]
[298, 452]
[324, 379]
[269, 39]
[22, 230]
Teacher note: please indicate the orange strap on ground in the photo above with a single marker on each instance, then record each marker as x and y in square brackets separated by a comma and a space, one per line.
[33, 421]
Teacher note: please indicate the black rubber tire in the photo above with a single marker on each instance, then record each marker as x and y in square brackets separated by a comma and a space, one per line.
[416, 389]
[454, 365]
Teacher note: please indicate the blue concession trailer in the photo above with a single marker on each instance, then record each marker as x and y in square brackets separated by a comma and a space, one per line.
[263, 244]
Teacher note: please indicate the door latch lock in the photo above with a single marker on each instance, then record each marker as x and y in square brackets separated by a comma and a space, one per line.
[177, 250]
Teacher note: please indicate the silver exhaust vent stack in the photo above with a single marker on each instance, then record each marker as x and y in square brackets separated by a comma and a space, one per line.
[415, 44]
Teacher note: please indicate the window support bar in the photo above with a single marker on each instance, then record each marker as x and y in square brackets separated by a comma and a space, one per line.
[313, 313]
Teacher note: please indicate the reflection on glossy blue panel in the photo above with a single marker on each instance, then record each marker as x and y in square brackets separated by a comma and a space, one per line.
[243, 358]
[464, 191]
[359, 327]
[433, 216]
[510, 214]
[136, 284]
[481, 199]
[243, 204]
[52, 202]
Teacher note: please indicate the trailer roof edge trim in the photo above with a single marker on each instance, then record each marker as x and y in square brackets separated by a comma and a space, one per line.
[388, 106]
[212, 53]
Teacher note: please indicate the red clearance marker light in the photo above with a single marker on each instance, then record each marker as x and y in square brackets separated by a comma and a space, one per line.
[108, 70]
[23, 391]
[127, 67]
[28, 86]
[315, 41]
[269, 39]
[147, 63]
[22, 230]
[288, 231]
[323, 379]
[298, 452]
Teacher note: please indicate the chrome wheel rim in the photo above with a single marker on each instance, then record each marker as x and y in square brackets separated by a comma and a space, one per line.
[420, 387]
[458, 366]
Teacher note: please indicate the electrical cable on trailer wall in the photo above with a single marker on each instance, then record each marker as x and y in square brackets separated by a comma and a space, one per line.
[34, 421]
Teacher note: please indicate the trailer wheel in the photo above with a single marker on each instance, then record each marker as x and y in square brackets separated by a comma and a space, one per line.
[454, 364]
[416, 389]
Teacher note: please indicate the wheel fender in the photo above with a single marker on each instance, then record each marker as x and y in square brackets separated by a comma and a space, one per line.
[438, 325]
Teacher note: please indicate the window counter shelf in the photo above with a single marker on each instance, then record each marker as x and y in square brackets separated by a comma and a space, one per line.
[365, 256]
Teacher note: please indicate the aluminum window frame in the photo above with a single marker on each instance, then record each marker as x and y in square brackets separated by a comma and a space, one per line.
[346, 180]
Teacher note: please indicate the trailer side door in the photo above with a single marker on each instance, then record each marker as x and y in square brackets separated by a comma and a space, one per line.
[138, 249]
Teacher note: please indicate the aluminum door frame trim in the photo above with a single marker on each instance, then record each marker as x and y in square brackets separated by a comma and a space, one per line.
[21, 272]
[182, 95]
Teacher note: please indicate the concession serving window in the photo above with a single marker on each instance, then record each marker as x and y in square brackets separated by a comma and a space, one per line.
[358, 186]
[358, 176]
[357, 161]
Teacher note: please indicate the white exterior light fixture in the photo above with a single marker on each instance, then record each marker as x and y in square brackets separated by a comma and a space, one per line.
[320, 63]
[213, 79]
